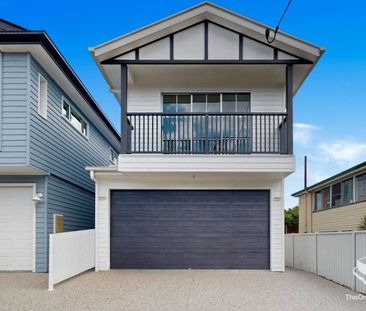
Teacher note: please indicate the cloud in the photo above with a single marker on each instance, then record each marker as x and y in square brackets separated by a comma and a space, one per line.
[305, 126]
[303, 133]
[344, 150]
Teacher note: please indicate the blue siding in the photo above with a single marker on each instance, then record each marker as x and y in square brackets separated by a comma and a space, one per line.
[76, 204]
[51, 145]
[41, 237]
[13, 109]
[55, 145]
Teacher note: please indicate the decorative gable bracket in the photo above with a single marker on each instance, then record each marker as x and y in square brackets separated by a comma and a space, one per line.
[206, 43]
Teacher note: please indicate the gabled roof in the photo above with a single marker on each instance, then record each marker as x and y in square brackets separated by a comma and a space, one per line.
[344, 174]
[14, 35]
[107, 55]
[195, 14]
[8, 26]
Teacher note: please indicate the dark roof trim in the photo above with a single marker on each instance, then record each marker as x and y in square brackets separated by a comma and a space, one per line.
[12, 25]
[330, 179]
[41, 37]
[202, 62]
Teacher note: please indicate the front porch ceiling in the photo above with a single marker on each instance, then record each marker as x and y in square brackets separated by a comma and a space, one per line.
[203, 77]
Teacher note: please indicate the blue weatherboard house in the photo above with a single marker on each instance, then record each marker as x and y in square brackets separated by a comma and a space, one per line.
[50, 130]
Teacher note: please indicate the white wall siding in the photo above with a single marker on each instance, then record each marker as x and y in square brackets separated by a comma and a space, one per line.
[255, 50]
[189, 44]
[280, 164]
[143, 97]
[222, 43]
[185, 181]
[157, 50]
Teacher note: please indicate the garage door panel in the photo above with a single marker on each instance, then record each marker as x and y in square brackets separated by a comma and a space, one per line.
[190, 229]
[16, 228]
[194, 260]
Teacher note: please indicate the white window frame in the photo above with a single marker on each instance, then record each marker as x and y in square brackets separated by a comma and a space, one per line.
[68, 119]
[113, 156]
[42, 101]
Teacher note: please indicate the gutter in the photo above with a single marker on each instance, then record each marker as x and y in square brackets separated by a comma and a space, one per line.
[344, 174]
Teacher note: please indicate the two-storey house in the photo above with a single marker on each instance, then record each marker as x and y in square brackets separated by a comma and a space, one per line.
[50, 129]
[207, 126]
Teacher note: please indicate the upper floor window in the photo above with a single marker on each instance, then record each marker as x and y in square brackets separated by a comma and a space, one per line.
[361, 187]
[113, 157]
[207, 102]
[340, 193]
[42, 96]
[78, 122]
[347, 191]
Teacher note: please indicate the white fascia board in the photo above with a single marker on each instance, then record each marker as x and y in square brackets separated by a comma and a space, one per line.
[284, 164]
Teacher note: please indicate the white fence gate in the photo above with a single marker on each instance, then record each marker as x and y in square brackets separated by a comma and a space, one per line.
[70, 253]
[332, 255]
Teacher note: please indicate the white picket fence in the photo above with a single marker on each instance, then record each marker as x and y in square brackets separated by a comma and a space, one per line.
[331, 255]
[70, 253]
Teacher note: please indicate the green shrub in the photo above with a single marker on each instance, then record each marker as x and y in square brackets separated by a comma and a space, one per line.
[292, 216]
[362, 225]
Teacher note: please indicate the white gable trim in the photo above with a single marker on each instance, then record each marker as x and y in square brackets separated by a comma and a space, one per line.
[223, 44]
[195, 15]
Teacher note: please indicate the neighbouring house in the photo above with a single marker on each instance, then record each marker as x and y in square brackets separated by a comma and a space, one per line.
[335, 204]
[207, 140]
[50, 129]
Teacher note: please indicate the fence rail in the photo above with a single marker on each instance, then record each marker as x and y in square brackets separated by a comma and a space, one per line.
[70, 253]
[331, 255]
[207, 133]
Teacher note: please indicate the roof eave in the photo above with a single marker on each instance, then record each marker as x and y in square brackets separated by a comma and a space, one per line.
[332, 179]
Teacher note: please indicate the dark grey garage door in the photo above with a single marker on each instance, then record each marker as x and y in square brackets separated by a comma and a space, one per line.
[190, 229]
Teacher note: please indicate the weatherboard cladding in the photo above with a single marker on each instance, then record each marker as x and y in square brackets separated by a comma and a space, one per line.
[41, 236]
[13, 113]
[55, 145]
[40, 37]
[76, 204]
[51, 145]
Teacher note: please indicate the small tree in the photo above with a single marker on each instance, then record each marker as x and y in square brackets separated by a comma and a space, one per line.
[362, 225]
[292, 216]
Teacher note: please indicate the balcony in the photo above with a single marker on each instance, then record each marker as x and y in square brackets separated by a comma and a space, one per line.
[208, 133]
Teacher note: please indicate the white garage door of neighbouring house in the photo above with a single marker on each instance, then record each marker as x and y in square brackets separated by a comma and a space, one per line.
[16, 228]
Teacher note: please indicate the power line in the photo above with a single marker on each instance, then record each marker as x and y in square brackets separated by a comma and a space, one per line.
[268, 30]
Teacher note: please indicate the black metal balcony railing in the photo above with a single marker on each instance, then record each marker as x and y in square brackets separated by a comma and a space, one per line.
[208, 133]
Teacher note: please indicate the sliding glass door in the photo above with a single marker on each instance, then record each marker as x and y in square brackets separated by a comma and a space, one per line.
[214, 124]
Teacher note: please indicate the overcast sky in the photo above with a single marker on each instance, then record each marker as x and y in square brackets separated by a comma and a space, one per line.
[329, 109]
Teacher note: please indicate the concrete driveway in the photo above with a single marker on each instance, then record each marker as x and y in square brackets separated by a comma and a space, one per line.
[177, 290]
